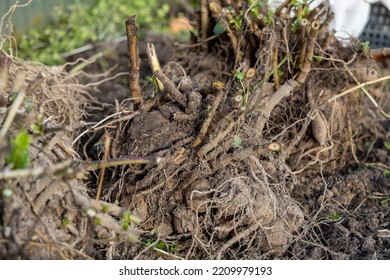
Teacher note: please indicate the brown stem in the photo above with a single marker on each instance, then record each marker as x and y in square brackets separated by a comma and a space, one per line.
[5, 64]
[282, 6]
[209, 118]
[35, 83]
[132, 42]
[325, 24]
[306, 66]
[171, 88]
[154, 62]
[204, 22]
[275, 66]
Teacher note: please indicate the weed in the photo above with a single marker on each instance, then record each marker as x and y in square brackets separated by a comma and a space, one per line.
[19, 156]
[334, 217]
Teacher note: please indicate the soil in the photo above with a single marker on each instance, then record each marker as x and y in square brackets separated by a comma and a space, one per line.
[279, 173]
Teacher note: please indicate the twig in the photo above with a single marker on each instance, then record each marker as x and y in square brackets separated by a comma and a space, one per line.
[11, 114]
[210, 115]
[35, 83]
[132, 42]
[154, 62]
[98, 126]
[5, 64]
[204, 22]
[275, 66]
[282, 6]
[171, 88]
[352, 89]
[34, 172]
[107, 142]
[306, 66]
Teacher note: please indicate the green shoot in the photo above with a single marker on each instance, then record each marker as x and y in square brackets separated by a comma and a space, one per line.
[19, 157]
[218, 29]
[37, 127]
[365, 47]
[333, 217]
[65, 222]
[268, 19]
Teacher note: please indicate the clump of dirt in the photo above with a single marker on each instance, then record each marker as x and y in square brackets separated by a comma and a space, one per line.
[238, 118]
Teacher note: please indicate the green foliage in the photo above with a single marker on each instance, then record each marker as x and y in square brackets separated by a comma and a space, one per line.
[387, 145]
[237, 21]
[105, 208]
[19, 157]
[255, 4]
[333, 217]
[296, 25]
[239, 75]
[385, 202]
[126, 219]
[268, 19]
[365, 47]
[237, 141]
[218, 28]
[163, 246]
[386, 172]
[65, 222]
[89, 23]
[37, 127]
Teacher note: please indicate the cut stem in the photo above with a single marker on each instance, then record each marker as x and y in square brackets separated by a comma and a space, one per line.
[132, 42]
[154, 62]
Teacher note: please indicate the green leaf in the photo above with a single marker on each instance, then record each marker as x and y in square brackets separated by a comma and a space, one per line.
[237, 141]
[385, 202]
[386, 172]
[19, 157]
[239, 75]
[218, 29]
[387, 145]
[333, 217]
[65, 222]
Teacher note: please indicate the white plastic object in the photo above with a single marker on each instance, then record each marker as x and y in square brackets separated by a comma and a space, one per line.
[350, 16]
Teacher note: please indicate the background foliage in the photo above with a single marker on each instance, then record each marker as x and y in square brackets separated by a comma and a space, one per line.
[84, 23]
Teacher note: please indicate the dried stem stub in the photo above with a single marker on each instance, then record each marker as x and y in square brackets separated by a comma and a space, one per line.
[132, 42]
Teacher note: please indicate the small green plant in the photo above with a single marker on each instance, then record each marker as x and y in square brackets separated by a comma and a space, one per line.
[268, 19]
[237, 21]
[162, 246]
[387, 145]
[237, 142]
[296, 25]
[386, 172]
[255, 4]
[37, 127]
[19, 156]
[104, 208]
[65, 222]
[98, 221]
[365, 47]
[240, 76]
[218, 28]
[334, 217]
[125, 220]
